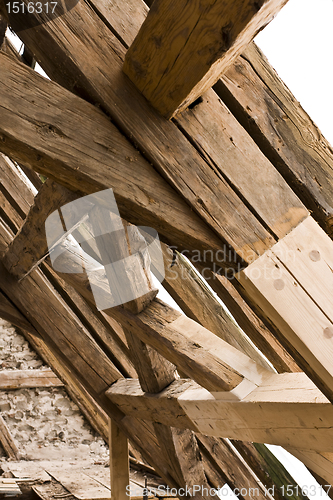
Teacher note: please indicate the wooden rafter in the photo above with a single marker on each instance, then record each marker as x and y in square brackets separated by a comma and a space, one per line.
[182, 48]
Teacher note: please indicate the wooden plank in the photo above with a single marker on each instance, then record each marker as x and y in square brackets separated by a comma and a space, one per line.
[266, 108]
[288, 410]
[119, 463]
[70, 157]
[62, 326]
[30, 244]
[262, 336]
[18, 379]
[8, 442]
[181, 49]
[296, 304]
[161, 142]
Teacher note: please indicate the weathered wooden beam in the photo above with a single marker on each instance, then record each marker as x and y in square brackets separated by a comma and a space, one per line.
[109, 161]
[285, 133]
[160, 141]
[182, 49]
[287, 410]
[10, 313]
[292, 284]
[119, 463]
[197, 301]
[216, 133]
[30, 243]
[18, 379]
[14, 186]
[7, 441]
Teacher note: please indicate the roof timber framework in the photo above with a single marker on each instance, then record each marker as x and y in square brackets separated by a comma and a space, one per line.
[195, 180]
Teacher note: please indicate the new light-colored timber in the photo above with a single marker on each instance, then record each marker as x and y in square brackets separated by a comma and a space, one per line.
[292, 285]
[182, 49]
[287, 410]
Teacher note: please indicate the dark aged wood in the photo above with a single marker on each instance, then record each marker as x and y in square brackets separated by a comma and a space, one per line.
[30, 244]
[182, 49]
[63, 57]
[62, 148]
[266, 108]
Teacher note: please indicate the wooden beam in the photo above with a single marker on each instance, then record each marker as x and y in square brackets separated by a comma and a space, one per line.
[285, 133]
[119, 463]
[182, 49]
[287, 410]
[8, 442]
[11, 314]
[165, 146]
[18, 379]
[108, 162]
[197, 301]
[292, 284]
[30, 244]
[264, 337]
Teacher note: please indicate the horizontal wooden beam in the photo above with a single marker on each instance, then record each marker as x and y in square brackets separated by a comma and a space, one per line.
[18, 379]
[182, 49]
[287, 410]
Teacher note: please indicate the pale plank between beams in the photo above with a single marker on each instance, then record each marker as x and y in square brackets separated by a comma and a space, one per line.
[292, 284]
[182, 48]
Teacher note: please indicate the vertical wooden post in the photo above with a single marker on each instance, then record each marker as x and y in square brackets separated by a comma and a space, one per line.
[119, 462]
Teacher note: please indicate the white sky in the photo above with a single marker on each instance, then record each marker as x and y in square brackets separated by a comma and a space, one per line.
[299, 44]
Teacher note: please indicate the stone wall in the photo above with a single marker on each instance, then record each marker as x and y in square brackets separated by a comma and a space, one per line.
[44, 422]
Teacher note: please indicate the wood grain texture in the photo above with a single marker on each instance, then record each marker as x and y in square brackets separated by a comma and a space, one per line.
[291, 284]
[266, 108]
[91, 158]
[263, 337]
[18, 379]
[182, 49]
[119, 463]
[30, 243]
[7, 441]
[10, 313]
[288, 410]
[63, 51]
[197, 301]
[232, 153]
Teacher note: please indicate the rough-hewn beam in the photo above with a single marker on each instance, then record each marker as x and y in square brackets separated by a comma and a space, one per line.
[287, 410]
[7, 441]
[30, 243]
[84, 151]
[182, 48]
[17, 379]
[10, 313]
[292, 285]
[161, 142]
[285, 133]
